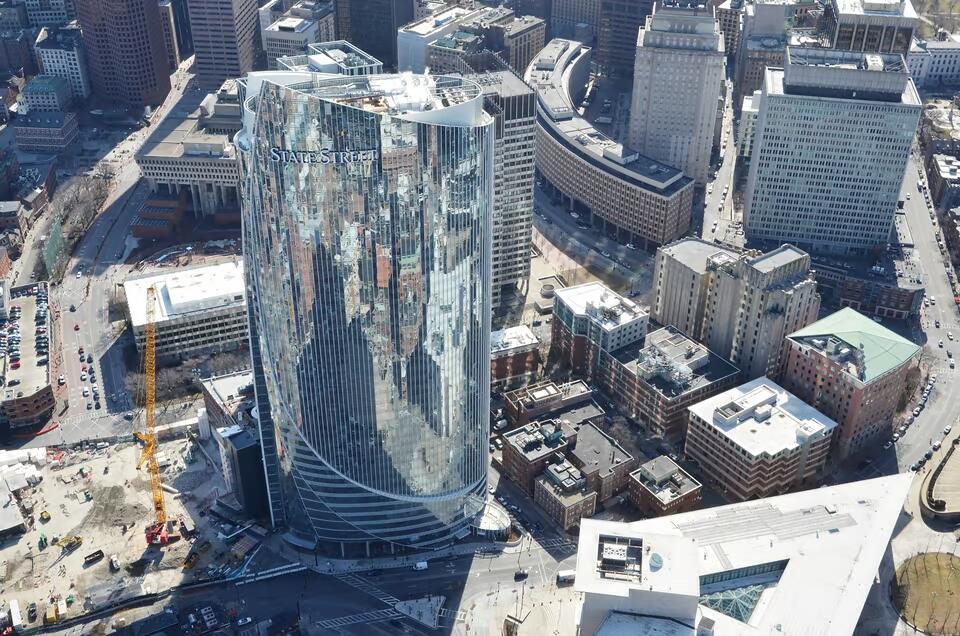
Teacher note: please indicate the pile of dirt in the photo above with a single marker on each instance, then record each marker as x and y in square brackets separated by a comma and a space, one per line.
[110, 509]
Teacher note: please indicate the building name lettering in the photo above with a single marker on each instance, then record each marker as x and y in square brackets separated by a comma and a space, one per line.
[323, 156]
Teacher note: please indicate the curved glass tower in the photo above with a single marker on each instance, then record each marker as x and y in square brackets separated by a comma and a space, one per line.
[366, 228]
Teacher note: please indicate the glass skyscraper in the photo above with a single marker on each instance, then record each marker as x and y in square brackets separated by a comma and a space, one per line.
[366, 230]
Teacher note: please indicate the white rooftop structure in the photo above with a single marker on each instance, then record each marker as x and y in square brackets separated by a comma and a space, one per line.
[763, 417]
[606, 307]
[512, 340]
[186, 291]
[801, 563]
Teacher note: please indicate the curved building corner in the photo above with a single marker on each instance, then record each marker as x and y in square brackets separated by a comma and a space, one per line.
[366, 229]
[641, 200]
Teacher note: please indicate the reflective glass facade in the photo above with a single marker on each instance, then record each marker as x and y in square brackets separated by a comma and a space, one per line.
[366, 228]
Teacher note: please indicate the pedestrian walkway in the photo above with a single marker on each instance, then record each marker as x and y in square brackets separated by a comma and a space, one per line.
[368, 588]
[356, 619]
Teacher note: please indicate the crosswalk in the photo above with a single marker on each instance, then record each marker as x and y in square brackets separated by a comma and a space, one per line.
[368, 588]
[457, 615]
[558, 542]
[356, 619]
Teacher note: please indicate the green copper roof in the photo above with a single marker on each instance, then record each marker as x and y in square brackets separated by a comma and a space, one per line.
[883, 350]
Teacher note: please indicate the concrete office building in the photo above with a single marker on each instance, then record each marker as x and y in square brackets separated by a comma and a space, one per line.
[619, 23]
[853, 370]
[50, 13]
[60, 53]
[661, 487]
[748, 128]
[758, 439]
[615, 187]
[126, 56]
[870, 26]
[13, 15]
[47, 93]
[563, 494]
[723, 570]
[512, 105]
[225, 38]
[304, 23]
[654, 381]
[337, 56]
[944, 178]
[372, 25]
[241, 463]
[729, 14]
[200, 310]
[934, 63]
[169, 25]
[591, 318]
[575, 19]
[677, 77]
[681, 280]
[414, 39]
[754, 302]
[833, 138]
[181, 154]
[45, 132]
[399, 354]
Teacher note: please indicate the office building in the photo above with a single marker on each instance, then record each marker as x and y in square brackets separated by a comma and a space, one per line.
[50, 13]
[305, 23]
[13, 15]
[391, 312]
[889, 285]
[16, 52]
[832, 142]
[934, 63]
[619, 23]
[414, 39]
[603, 462]
[563, 494]
[60, 53]
[591, 318]
[225, 35]
[853, 370]
[870, 26]
[545, 399]
[660, 487]
[45, 132]
[512, 105]
[338, 57]
[519, 39]
[575, 19]
[47, 93]
[373, 25]
[197, 311]
[182, 154]
[679, 69]
[126, 56]
[681, 279]
[944, 179]
[729, 14]
[754, 302]
[724, 570]
[654, 381]
[169, 25]
[241, 463]
[528, 450]
[748, 128]
[229, 400]
[758, 439]
[640, 200]
[514, 357]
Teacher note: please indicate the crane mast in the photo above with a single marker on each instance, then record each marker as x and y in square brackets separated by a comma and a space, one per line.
[157, 532]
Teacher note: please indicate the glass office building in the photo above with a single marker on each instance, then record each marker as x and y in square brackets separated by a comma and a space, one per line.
[366, 229]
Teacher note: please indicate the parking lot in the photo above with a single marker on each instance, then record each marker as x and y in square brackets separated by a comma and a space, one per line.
[24, 340]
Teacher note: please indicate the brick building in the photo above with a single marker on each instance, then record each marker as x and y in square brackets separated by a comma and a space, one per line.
[514, 357]
[528, 450]
[543, 399]
[603, 462]
[563, 494]
[661, 487]
[854, 371]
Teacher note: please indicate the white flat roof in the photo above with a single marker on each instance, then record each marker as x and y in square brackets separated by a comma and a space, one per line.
[763, 417]
[833, 540]
[616, 309]
[185, 291]
[504, 340]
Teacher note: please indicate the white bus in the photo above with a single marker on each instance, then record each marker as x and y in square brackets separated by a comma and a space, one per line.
[566, 577]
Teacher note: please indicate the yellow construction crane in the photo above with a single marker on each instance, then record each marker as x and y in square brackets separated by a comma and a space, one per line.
[156, 533]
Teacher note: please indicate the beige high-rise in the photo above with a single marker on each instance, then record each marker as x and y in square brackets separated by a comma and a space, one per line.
[680, 66]
[225, 39]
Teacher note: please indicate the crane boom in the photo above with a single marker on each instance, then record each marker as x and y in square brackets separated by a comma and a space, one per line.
[157, 533]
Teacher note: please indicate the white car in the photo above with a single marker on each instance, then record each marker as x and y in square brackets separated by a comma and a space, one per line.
[940, 344]
[950, 335]
[947, 429]
[79, 273]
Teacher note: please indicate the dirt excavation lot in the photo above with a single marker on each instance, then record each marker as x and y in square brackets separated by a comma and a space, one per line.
[99, 496]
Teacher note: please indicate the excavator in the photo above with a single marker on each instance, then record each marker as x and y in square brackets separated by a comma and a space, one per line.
[156, 533]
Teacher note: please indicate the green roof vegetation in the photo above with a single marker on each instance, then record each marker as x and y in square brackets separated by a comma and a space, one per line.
[882, 349]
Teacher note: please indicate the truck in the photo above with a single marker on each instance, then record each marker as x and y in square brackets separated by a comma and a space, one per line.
[187, 528]
[566, 577]
[420, 565]
[93, 557]
[16, 619]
